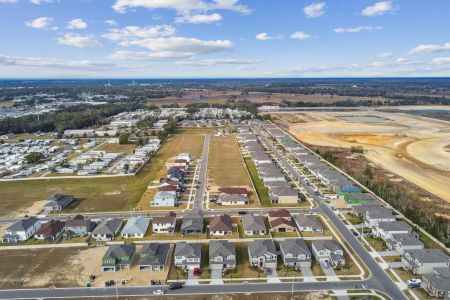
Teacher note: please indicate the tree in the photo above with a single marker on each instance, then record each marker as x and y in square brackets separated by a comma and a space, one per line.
[34, 157]
[123, 138]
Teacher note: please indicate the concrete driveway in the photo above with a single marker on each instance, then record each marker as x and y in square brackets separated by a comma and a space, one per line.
[216, 276]
[329, 272]
[273, 278]
[307, 274]
[192, 280]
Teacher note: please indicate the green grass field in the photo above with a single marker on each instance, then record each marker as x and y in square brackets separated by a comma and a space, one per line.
[261, 189]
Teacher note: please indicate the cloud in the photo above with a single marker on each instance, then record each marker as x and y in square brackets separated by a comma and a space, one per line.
[314, 10]
[181, 6]
[384, 55]
[39, 2]
[441, 61]
[79, 41]
[111, 22]
[263, 36]
[199, 18]
[76, 24]
[171, 48]
[136, 32]
[357, 29]
[300, 35]
[219, 61]
[40, 23]
[8, 1]
[429, 48]
[378, 9]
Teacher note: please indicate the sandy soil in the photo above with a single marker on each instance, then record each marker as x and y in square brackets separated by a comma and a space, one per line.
[410, 146]
[35, 209]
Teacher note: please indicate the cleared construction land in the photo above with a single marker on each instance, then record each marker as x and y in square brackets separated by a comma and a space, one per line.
[226, 168]
[412, 147]
[98, 194]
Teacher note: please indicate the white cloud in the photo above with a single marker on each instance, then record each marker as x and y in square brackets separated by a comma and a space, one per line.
[40, 23]
[384, 55]
[300, 35]
[357, 29]
[378, 9]
[181, 6]
[314, 10]
[441, 61]
[79, 41]
[171, 48]
[136, 32]
[111, 22]
[39, 2]
[8, 1]
[219, 61]
[77, 24]
[263, 36]
[199, 18]
[429, 48]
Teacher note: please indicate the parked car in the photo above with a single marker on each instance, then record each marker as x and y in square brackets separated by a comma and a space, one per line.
[175, 286]
[158, 292]
[268, 271]
[414, 283]
[325, 265]
[197, 272]
[241, 212]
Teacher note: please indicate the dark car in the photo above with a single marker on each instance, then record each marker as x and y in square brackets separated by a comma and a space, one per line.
[175, 286]
[242, 212]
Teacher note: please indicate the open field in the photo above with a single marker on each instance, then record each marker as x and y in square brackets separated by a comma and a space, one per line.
[99, 194]
[125, 149]
[413, 147]
[226, 167]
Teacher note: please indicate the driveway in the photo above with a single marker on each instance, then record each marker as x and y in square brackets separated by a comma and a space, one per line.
[192, 280]
[307, 274]
[273, 278]
[329, 272]
[216, 276]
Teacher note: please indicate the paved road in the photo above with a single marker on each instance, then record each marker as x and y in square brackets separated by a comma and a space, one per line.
[202, 180]
[379, 279]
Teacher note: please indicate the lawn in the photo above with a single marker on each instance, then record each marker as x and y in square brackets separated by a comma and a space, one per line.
[261, 189]
[284, 271]
[243, 268]
[116, 148]
[206, 272]
[350, 267]
[377, 243]
[355, 220]
[100, 194]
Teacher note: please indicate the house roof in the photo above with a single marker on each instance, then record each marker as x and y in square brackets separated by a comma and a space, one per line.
[308, 221]
[405, 239]
[232, 198]
[136, 225]
[154, 254]
[163, 195]
[192, 222]
[220, 223]
[168, 218]
[78, 221]
[331, 245]
[221, 248]
[188, 249]
[361, 196]
[252, 222]
[23, 225]
[428, 255]
[233, 190]
[168, 188]
[108, 226]
[260, 247]
[283, 191]
[394, 226]
[59, 199]
[281, 221]
[295, 247]
[121, 250]
[380, 212]
[51, 228]
[440, 279]
[281, 213]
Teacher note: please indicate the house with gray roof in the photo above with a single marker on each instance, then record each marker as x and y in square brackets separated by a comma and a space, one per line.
[118, 257]
[423, 261]
[222, 255]
[283, 194]
[57, 202]
[192, 224]
[22, 230]
[308, 223]
[188, 255]
[437, 283]
[385, 230]
[78, 226]
[403, 241]
[262, 254]
[295, 253]
[136, 227]
[329, 251]
[107, 230]
[380, 214]
[253, 225]
[232, 199]
[154, 256]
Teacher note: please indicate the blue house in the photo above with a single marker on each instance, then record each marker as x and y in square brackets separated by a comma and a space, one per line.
[165, 199]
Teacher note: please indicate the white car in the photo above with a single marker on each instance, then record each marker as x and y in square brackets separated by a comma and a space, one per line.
[414, 282]
[158, 292]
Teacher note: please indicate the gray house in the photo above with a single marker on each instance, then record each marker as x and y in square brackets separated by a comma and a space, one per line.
[58, 202]
[309, 223]
[329, 251]
[118, 257]
[107, 230]
[385, 230]
[403, 242]
[188, 255]
[192, 224]
[222, 255]
[437, 283]
[136, 227]
[154, 257]
[295, 253]
[425, 260]
[21, 230]
[78, 226]
[262, 254]
[253, 225]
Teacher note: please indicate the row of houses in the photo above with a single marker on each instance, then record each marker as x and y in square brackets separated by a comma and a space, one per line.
[280, 191]
[130, 163]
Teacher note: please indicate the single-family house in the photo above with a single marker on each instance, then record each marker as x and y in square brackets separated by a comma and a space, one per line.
[423, 261]
[22, 230]
[192, 224]
[136, 227]
[295, 253]
[50, 231]
[232, 196]
[78, 226]
[154, 256]
[165, 224]
[280, 213]
[402, 242]
[221, 225]
[188, 255]
[283, 194]
[308, 223]
[185, 156]
[118, 257]
[222, 255]
[380, 214]
[328, 251]
[281, 225]
[253, 225]
[262, 254]
[385, 230]
[437, 283]
[163, 198]
[58, 202]
[106, 230]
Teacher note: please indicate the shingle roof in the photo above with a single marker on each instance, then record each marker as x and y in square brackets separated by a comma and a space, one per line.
[220, 223]
[154, 254]
[188, 249]
[295, 247]
[259, 247]
[108, 227]
[251, 222]
[136, 225]
[23, 225]
[221, 248]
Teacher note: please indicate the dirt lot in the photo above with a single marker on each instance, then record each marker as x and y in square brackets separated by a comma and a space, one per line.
[410, 146]
[125, 149]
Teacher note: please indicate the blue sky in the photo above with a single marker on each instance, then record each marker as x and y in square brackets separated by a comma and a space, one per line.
[223, 38]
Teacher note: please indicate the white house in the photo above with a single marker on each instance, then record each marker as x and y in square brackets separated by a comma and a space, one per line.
[21, 230]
